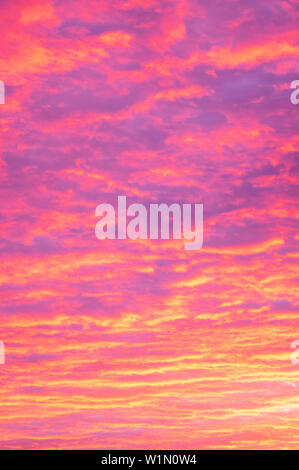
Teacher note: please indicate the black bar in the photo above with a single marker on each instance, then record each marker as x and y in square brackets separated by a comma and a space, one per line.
[137, 459]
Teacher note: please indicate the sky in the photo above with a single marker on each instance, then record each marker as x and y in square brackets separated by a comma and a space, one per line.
[140, 344]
